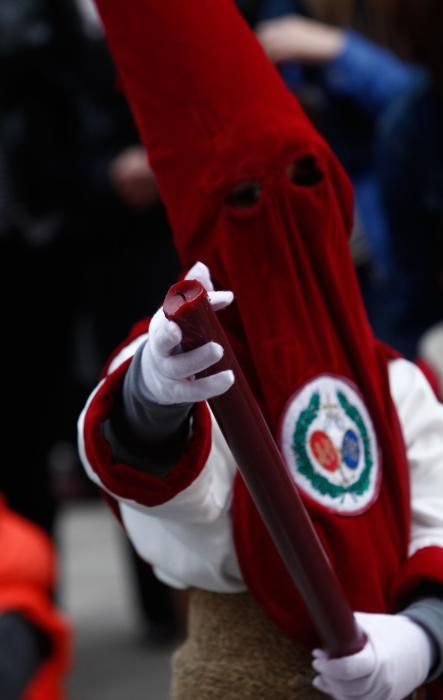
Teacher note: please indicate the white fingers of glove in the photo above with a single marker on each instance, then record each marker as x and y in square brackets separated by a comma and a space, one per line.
[218, 300]
[169, 378]
[200, 272]
[394, 662]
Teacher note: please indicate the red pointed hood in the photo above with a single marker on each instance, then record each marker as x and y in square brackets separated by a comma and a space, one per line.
[199, 85]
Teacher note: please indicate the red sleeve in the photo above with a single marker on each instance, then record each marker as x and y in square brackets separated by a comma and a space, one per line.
[125, 481]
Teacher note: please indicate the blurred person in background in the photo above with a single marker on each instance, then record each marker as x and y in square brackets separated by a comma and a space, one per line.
[36, 135]
[34, 636]
[410, 170]
[348, 83]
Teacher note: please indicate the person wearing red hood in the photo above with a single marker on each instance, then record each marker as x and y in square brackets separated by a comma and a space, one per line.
[255, 195]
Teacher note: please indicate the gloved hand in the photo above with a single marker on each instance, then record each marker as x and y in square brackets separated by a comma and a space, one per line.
[168, 374]
[396, 660]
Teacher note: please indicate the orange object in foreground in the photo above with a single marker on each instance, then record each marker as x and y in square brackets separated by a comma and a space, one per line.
[27, 581]
[267, 477]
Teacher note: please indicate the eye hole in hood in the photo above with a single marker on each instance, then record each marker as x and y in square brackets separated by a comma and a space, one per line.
[245, 195]
[305, 172]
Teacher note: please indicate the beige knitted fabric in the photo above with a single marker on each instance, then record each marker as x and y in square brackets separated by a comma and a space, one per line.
[233, 652]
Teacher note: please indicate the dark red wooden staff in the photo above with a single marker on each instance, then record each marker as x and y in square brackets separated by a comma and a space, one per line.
[267, 477]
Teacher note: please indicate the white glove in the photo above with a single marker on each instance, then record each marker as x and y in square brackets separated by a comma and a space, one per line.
[394, 662]
[167, 373]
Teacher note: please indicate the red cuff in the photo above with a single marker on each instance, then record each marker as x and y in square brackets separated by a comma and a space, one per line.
[127, 482]
[425, 565]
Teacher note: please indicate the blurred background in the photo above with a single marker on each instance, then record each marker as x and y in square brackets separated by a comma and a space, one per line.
[86, 250]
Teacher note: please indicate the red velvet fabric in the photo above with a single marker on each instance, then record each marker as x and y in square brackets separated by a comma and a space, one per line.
[214, 113]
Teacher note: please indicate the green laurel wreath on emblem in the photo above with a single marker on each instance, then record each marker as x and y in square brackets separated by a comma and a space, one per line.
[319, 482]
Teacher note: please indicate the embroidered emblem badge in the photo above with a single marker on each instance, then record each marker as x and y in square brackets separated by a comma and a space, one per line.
[330, 445]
